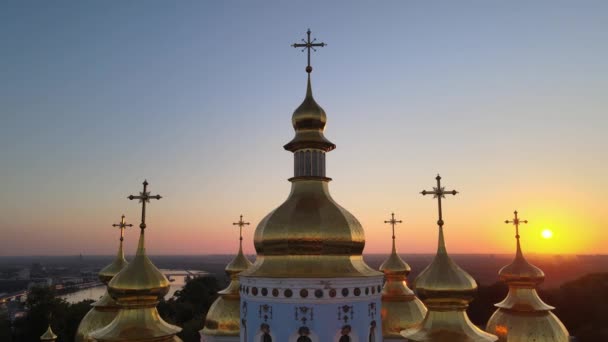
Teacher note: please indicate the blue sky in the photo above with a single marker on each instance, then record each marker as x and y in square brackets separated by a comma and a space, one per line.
[506, 99]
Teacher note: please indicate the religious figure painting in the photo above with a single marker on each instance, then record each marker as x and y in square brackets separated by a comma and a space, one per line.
[345, 334]
[304, 333]
[372, 331]
[265, 333]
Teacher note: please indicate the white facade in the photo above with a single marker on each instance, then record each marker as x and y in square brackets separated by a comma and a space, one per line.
[322, 306]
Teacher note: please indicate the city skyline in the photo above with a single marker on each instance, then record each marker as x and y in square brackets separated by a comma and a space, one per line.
[197, 99]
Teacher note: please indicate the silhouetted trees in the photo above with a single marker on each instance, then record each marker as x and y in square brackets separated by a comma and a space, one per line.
[189, 306]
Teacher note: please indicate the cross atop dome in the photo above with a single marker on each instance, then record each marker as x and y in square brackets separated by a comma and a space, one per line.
[308, 45]
[241, 224]
[144, 197]
[393, 222]
[439, 192]
[122, 226]
[516, 221]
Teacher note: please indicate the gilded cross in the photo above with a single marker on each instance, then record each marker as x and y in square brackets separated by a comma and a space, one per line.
[144, 197]
[516, 221]
[122, 226]
[393, 222]
[308, 45]
[241, 224]
[439, 192]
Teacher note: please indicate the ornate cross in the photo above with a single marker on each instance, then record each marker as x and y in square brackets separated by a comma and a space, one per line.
[393, 222]
[241, 224]
[144, 197]
[308, 45]
[516, 221]
[122, 225]
[439, 192]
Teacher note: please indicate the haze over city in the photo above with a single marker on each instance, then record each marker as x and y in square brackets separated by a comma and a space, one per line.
[506, 102]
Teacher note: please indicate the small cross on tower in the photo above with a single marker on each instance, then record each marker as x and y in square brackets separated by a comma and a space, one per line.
[308, 45]
[516, 221]
[122, 226]
[393, 222]
[241, 224]
[144, 197]
[439, 192]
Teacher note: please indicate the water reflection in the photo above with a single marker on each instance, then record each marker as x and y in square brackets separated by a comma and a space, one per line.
[94, 293]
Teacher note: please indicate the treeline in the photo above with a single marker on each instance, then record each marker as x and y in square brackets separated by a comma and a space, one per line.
[581, 304]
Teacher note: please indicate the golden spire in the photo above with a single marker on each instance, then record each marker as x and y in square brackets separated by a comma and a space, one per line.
[401, 309]
[309, 118]
[105, 309]
[447, 290]
[522, 315]
[137, 289]
[223, 318]
[48, 335]
[309, 235]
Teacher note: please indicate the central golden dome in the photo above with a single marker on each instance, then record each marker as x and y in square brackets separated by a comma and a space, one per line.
[309, 235]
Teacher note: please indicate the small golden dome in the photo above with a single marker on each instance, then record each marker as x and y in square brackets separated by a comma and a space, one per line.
[224, 316]
[239, 264]
[137, 290]
[48, 335]
[309, 115]
[401, 309]
[443, 280]
[140, 281]
[522, 315]
[108, 272]
[447, 290]
[394, 265]
[309, 121]
[106, 308]
[521, 271]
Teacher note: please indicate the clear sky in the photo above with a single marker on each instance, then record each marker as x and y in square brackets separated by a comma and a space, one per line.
[506, 99]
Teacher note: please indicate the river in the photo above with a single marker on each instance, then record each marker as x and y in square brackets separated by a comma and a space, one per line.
[94, 293]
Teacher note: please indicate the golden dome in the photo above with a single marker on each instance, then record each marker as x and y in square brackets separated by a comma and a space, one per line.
[309, 236]
[107, 273]
[446, 290]
[137, 290]
[140, 280]
[309, 121]
[224, 316]
[239, 264]
[401, 309]
[521, 271]
[443, 281]
[106, 308]
[522, 315]
[48, 335]
[394, 265]
[511, 327]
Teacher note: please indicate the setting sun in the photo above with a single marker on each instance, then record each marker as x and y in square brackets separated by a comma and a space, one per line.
[547, 234]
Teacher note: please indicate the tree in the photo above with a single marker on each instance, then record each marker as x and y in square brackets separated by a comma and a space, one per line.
[190, 305]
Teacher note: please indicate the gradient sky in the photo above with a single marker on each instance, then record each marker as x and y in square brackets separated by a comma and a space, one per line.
[507, 100]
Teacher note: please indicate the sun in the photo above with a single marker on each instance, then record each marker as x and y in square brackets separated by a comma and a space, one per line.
[547, 233]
